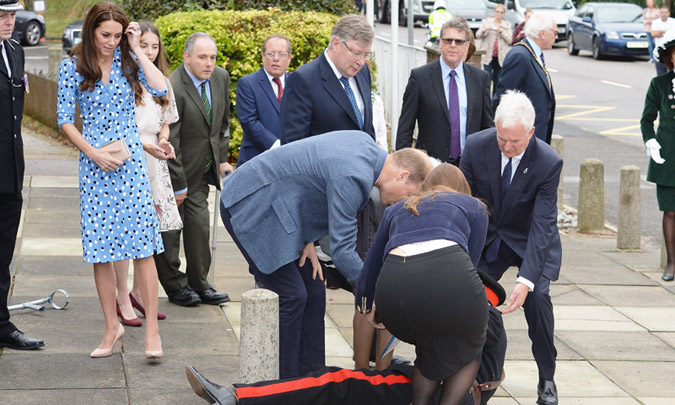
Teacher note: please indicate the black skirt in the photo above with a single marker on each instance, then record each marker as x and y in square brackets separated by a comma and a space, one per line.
[435, 301]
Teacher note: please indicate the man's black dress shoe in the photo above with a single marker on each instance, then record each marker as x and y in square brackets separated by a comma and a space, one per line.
[213, 297]
[547, 393]
[212, 393]
[184, 296]
[18, 341]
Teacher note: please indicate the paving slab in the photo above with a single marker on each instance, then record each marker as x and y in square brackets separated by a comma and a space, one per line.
[168, 372]
[570, 294]
[640, 378]
[35, 230]
[54, 182]
[175, 395]
[233, 286]
[42, 285]
[51, 247]
[42, 217]
[634, 259]
[654, 319]
[42, 265]
[574, 379]
[602, 271]
[596, 345]
[519, 347]
[667, 337]
[631, 296]
[599, 318]
[43, 370]
[102, 396]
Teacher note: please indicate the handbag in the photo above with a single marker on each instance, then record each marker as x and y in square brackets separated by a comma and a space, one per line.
[123, 153]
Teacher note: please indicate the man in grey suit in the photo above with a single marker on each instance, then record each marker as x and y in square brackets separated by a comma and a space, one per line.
[442, 83]
[201, 140]
[278, 204]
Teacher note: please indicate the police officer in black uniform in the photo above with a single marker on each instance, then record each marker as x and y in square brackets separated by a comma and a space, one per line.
[12, 89]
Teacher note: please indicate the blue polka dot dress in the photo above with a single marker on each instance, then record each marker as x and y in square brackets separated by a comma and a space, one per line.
[117, 214]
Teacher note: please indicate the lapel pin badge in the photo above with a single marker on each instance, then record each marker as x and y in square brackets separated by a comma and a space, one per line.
[525, 171]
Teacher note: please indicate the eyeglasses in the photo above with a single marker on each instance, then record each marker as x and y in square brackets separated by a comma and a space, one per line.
[281, 55]
[449, 41]
[358, 55]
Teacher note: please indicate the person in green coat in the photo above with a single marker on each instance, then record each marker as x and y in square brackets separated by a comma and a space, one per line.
[660, 100]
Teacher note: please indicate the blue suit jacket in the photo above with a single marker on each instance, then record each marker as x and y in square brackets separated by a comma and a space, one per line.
[521, 71]
[315, 102]
[527, 218]
[298, 193]
[258, 111]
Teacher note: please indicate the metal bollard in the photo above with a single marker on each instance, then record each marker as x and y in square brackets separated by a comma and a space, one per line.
[591, 197]
[629, 233]
[259, 337]
[558, 144]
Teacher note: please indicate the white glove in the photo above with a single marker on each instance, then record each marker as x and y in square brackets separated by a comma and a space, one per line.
[653, 148]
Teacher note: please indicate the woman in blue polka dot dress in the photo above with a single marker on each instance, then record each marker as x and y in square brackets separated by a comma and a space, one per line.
[117, 214]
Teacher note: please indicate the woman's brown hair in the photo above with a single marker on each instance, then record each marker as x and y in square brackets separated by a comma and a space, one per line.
[86, 52]
[161, 61]
[667, 57]
[445, 177]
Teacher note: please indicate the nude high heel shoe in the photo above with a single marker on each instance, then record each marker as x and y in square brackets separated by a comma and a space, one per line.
[154, 354]
[97, 353]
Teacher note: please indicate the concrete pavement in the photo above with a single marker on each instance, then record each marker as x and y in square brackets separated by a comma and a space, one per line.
[615, 318]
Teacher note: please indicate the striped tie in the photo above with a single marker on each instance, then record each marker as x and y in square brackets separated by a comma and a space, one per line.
[207, 107]
[205, 100]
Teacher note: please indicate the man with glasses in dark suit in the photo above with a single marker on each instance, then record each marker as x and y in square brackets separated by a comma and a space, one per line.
[448, 98]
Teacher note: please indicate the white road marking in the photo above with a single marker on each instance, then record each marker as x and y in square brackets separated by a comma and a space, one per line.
[625, 86]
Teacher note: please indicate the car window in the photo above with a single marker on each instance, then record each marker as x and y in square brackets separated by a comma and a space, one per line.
[610, 15]
[581, 13]
[547, 4]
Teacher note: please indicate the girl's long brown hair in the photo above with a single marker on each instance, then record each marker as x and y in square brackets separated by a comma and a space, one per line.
[161, 61]
[86, 51]
[445, 177]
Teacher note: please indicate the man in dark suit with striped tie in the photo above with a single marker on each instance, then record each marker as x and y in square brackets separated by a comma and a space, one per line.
[201, 139]
[332, 92]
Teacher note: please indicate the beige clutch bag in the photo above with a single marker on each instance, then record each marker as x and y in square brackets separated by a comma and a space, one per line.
[123, 153]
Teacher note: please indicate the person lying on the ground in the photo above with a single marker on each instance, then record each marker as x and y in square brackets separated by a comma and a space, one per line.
[334, 385]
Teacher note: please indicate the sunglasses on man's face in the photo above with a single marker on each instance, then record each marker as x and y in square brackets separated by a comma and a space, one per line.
[456, 41]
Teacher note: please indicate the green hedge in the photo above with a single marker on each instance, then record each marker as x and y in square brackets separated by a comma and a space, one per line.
[240, 35]
[152, 9]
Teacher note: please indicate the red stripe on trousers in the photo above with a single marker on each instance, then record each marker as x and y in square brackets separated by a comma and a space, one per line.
[311, 382]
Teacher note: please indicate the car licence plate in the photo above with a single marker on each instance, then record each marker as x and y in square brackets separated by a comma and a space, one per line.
[637, 44]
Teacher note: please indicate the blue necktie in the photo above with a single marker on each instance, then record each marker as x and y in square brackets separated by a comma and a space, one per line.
[352, 99]
[453, 111]
[492, 250]
[506, 179]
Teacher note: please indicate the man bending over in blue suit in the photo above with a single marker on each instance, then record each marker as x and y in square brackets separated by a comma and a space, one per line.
[517, 175]
[278, 204]
[259, 99]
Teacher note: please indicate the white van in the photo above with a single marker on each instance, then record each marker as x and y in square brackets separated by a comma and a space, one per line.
[561, 10]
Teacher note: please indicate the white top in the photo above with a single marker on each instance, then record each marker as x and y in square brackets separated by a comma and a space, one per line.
[660, 25]
[417, 248]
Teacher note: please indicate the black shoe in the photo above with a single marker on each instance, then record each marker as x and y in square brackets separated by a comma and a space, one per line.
[547, 393]
[400, 361]
[184, 296]
[212, 393]
[18, 341]
[213, 297]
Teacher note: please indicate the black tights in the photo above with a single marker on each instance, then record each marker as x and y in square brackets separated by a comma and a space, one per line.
[455, 388]
[669, 238]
